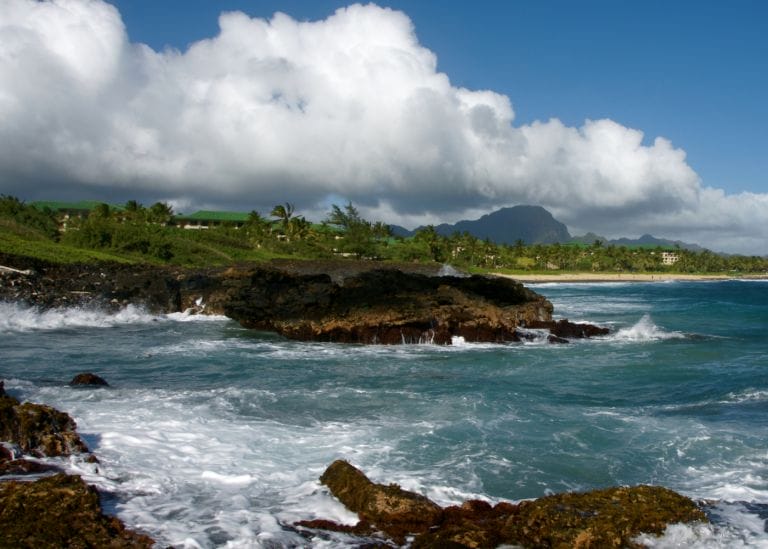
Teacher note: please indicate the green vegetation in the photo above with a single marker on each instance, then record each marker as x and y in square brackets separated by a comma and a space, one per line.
[88, 231]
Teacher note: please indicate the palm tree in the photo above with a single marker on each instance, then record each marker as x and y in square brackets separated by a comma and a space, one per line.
[160, 212]
[284, 212]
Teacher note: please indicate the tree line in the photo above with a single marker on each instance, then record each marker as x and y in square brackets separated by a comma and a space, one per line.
[152, 233]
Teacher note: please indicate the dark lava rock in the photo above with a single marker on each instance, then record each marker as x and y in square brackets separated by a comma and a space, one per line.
[60, 511]
[339, 301]
[394, 511]
[565, 329]
[386, 306]
[38, 429]
[88, 379]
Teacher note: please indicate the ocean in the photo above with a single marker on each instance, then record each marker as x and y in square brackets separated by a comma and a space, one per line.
[215, 436]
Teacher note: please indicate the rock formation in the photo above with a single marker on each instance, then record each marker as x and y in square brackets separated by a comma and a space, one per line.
[340, 301]
[60, 511]
[386, 306]
[607, 518]
[55, 511]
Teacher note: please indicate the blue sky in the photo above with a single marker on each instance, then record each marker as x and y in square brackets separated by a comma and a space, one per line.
[694, 72]
[620, 117]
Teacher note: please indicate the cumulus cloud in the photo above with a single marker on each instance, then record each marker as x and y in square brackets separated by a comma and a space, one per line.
[351, 106]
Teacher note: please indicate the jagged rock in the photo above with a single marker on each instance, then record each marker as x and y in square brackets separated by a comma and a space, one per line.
[339, 301]
[606, 518]
[565, 329]
[386, 306]
[38, 429]
[88, 379]
[391, 509]
[60, 511]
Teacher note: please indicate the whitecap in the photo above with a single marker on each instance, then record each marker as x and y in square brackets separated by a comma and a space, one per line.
[15, 317]
[644, 330]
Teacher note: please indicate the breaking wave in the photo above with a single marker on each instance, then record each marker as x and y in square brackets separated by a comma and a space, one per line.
[16, 318]
[645, 330]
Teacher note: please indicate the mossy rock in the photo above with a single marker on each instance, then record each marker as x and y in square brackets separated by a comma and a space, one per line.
[38, 429]
[60, 511]
[391, 509]
[601, 518]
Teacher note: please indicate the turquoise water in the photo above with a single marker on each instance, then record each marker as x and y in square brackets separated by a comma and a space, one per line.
[212, 435]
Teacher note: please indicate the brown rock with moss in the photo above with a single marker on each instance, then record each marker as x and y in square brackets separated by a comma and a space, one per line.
[37, 429]
[601, 518]
[606, 518]
[391, 509]
[60, 511]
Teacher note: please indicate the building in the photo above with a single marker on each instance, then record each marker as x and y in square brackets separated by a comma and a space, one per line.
[205, 219]
[669, 258]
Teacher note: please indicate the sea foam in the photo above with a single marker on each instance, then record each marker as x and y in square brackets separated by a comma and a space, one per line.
[645, 330]
[15, 317]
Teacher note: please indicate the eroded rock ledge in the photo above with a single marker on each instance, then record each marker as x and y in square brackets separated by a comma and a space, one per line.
[339, 301]
[612, 517]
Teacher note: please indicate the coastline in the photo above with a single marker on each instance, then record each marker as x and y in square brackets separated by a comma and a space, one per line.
[624, 277]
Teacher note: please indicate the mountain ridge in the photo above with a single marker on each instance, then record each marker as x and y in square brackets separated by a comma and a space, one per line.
[535, 225]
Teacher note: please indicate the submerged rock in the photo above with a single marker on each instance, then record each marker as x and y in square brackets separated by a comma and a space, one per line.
[88, 378]
[60, 511]
[606, 518]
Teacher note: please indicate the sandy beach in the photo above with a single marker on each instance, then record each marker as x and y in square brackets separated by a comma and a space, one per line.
[623, 277]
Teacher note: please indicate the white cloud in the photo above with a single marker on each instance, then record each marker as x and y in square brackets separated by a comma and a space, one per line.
[351, 106]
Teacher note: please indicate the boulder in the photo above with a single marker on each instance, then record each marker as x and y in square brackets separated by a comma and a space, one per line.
[60, 511]
[389, 508]
[88, 379]
[38, 430]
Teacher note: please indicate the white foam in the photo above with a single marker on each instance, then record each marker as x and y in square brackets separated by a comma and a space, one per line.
[746, 396]
[15, 317]
[20, 318]
[449, 270]
[644, 330]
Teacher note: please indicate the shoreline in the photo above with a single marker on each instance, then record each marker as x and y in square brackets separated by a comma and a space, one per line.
[625, 277]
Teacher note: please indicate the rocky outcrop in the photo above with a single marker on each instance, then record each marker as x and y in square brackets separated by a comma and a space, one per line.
[386, 306]
[607, 518]
[60, 511]
[339, 301]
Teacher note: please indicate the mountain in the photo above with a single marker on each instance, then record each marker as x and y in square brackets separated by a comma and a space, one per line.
[531, 224]
[646, 240]
[535, 225]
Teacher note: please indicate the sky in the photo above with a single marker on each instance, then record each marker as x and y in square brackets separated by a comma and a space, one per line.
[621, 118]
